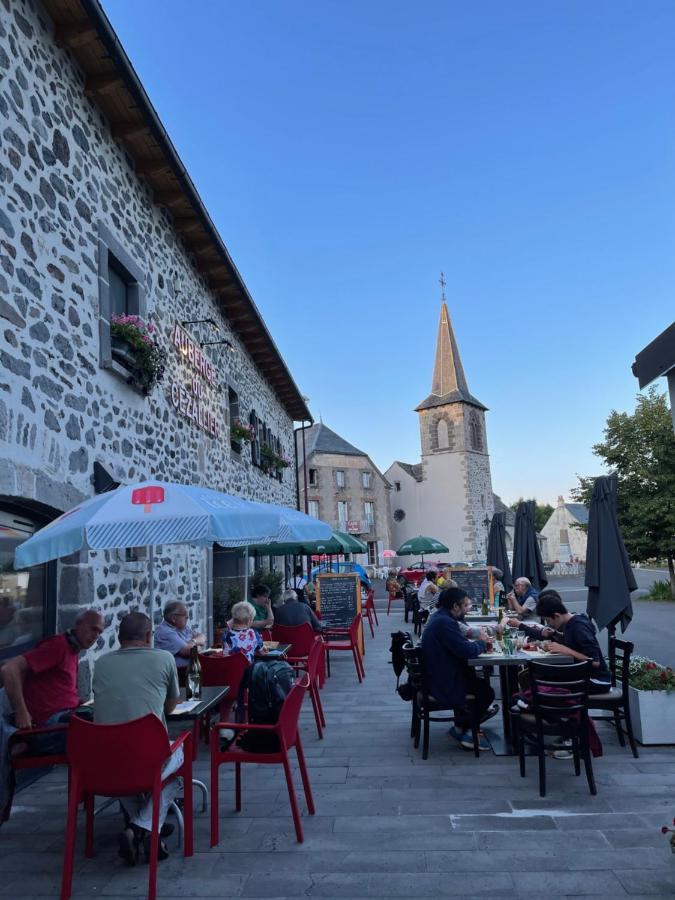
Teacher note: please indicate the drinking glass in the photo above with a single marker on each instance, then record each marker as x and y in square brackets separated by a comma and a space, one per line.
[194, 686]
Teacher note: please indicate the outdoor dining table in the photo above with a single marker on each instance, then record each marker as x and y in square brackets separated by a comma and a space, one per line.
[508, 668]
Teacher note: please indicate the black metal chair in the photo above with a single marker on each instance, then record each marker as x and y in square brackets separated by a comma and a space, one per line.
[424, 704]
[616, 700]
[559, 710]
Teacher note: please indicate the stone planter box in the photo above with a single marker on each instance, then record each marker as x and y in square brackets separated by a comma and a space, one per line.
[653, 715]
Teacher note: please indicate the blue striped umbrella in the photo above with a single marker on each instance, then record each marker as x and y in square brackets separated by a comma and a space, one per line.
[157, 512]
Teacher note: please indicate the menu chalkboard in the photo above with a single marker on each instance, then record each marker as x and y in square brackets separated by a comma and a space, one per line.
[476, 582]
[338, 598]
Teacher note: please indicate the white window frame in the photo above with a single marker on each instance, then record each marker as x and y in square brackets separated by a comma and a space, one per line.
[340, 479]
[313, 508]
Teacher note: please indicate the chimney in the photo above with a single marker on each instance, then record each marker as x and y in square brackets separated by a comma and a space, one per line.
[561, 501]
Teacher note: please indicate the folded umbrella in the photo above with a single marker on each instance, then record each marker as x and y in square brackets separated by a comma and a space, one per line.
[609, 577]
[527, 561]
[497, 555]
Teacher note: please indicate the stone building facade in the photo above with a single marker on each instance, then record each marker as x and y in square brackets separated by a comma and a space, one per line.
[565, 541]
[448, 495]
[79, 216]
[346, 490]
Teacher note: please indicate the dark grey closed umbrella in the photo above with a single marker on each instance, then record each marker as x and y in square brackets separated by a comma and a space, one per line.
[609, 577]
[496, 551]
[527, 561]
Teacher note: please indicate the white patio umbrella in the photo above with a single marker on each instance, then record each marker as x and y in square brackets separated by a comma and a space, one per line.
[159, 512]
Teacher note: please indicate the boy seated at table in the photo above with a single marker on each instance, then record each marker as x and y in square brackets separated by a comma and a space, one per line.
[241, 636]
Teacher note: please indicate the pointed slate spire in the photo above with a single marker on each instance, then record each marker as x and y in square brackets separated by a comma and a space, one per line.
[448, 371]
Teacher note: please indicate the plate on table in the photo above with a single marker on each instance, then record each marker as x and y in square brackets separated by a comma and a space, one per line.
[270, 645]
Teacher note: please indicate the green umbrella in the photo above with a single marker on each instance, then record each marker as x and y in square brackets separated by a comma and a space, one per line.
[339, 542]
[420, 545]
[350, 543]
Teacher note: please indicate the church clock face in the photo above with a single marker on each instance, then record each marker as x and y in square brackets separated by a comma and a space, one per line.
[399, 515]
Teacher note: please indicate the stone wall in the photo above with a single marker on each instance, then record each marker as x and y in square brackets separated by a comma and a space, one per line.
[327, 495]
[62, 177]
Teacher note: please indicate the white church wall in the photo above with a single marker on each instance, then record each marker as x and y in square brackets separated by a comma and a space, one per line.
[405, 500]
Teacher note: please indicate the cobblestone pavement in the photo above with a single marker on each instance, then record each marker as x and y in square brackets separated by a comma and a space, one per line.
[387, 824]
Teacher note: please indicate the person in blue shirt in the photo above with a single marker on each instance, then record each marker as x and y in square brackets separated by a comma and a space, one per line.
[175, 635]
[447, 676]
[523, 598]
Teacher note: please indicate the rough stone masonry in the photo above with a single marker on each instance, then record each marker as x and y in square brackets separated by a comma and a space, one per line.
[62, 177]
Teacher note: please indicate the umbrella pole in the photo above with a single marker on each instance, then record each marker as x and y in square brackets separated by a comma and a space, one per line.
[246, 573]
[151, 578]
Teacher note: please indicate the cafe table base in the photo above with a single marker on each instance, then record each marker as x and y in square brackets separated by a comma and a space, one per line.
[501, 739]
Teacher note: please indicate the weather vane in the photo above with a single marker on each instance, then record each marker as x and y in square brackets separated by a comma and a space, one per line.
[441, 281]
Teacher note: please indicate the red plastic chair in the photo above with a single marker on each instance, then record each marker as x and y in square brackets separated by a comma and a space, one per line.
[307, 651]
[345, 639]
[369, 612]
[118, 761]
[224, 669]
[27, 761]
[288, 735]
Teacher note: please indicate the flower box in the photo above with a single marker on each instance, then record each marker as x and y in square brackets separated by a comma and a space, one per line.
[653, 716]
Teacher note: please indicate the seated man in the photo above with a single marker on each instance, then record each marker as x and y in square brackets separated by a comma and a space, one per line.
[175, 635]
[129, 683]
[447, 676]
[264, 618]
[292, 612]
[578, 638]
[523, 598]
[428, 592]
[41, 684]
[40, 688]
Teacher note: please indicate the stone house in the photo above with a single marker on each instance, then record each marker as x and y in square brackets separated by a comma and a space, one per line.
[565, 541]
[448, 495]
[346, 489]
[99, 217]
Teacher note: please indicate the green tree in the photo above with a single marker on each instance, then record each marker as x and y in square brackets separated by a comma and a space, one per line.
[542, 512]
[640, 449]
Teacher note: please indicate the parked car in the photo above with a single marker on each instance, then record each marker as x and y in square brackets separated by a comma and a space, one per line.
[414, 574]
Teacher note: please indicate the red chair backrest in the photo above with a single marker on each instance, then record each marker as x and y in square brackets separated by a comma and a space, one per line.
[354, 628]
[218, 670]
[300, 637]
[287, 723]
[370, 596]
[117, 760]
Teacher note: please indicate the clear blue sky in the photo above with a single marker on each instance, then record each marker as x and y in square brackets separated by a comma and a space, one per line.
[348, 151]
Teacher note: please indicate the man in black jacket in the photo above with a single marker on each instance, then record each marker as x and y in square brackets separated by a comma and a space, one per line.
[447, 676]
[578, 638]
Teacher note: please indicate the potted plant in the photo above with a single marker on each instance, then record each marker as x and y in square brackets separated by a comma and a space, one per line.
[133, 344]
[267, 457]
[241, 432]
[273, 580]
[652, 701]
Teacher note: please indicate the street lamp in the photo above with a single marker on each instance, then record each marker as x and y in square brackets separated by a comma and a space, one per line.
[486, 522]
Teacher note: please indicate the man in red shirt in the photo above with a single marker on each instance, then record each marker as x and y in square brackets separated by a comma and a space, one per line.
[41, 684]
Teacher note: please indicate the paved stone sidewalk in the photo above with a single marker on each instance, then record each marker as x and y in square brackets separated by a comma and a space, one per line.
[387, 824]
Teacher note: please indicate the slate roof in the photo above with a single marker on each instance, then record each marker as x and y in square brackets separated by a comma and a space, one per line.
[579, 511]
[448, 384]
[321, 439]
[415, 471]
[500, 507]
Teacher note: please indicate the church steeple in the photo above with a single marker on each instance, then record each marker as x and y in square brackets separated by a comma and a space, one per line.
[448, 371]
[448, 383]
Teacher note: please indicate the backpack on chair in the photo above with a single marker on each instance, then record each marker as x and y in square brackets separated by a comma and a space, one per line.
[398, 639]
[268, 685]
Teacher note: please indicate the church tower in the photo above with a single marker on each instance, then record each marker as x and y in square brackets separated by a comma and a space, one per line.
[456, 485]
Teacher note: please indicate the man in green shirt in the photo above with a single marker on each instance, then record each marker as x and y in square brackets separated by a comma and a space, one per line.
[129, 683]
